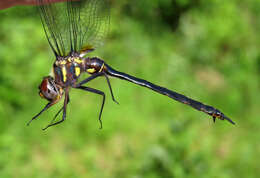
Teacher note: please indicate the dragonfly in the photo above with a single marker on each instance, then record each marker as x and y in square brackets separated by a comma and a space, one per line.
[74, 29]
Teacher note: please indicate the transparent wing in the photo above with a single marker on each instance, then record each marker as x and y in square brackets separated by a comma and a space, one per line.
[75, 25]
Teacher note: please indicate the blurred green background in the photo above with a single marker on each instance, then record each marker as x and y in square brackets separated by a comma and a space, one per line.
[205, 49]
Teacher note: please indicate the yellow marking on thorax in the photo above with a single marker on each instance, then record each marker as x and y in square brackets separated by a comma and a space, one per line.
[69, 59]
[77, 71]
[64, 73]
[78, 60]
[63, 62]
[91, 70]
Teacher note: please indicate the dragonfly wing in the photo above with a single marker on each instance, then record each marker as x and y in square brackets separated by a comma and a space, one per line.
[75, 25]
[92, 23]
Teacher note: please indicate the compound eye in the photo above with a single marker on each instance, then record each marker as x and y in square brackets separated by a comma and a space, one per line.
[48, 89]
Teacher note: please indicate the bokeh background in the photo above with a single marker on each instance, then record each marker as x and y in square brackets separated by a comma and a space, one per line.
[206, 49]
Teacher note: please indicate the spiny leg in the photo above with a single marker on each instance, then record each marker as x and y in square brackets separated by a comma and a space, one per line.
[99, 93]
[59, 111]
[64, 111]
[93, 76]
[48, 105]
[110, 88]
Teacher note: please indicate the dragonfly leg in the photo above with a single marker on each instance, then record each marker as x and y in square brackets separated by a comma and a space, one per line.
[93, 76]
[64, 108]
[110, 88]
[61, 109]
[92, 90]
[37, 115]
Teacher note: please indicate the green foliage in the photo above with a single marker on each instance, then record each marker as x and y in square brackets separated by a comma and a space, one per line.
[208, 50]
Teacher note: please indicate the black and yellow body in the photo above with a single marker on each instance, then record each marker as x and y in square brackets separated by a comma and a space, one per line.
[70, 47]
[67, 70]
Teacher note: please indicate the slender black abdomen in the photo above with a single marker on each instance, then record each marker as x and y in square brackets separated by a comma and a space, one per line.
[176, 96]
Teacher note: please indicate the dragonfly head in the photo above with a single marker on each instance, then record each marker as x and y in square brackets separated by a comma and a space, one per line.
[50, 90]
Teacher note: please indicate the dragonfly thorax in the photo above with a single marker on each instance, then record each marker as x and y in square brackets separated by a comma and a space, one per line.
[68, 70]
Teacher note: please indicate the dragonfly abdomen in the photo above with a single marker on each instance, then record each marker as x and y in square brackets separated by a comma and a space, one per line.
[94, 65]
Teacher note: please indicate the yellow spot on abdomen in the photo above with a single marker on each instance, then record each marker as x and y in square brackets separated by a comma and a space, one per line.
[91, 70]
[64, 74]
[77, 71]
[102, 67]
